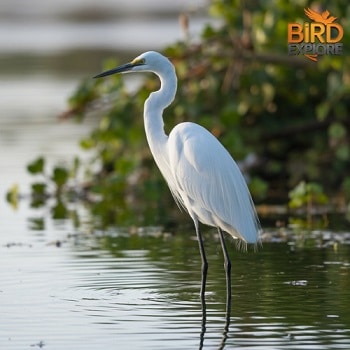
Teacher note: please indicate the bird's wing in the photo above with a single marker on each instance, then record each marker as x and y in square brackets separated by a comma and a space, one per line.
[313, 15]
[209, 182]
[326, 18]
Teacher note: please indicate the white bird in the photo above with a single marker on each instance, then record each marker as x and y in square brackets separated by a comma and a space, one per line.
[201, 174]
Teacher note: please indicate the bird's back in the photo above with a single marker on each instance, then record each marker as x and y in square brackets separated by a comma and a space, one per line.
[208, 183]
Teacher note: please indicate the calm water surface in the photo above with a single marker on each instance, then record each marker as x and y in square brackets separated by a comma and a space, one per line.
[63, 288]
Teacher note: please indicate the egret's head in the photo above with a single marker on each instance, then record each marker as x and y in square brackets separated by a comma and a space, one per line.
[150, 61]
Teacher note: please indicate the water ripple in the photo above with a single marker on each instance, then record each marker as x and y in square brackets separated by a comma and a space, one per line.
[141, 292]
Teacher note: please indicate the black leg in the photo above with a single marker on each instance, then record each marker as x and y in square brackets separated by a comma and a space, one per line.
[204, 279]
[204, 261]
[227, 264]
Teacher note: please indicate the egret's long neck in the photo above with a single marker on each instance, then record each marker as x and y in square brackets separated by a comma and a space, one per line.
[153, 115]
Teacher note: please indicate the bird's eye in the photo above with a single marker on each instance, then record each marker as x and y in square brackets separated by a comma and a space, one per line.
[138, 61]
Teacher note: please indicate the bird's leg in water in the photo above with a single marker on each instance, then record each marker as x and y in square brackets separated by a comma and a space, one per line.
[204, 279]
[204, 262]
[227, 264]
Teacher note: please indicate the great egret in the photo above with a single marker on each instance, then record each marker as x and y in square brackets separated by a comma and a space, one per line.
[201, 174]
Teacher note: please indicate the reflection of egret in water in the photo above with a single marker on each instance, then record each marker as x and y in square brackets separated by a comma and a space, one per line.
[226, 324]
[201, 174]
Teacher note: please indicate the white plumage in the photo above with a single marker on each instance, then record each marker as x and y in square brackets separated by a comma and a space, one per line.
[201, 174]
[209, 184]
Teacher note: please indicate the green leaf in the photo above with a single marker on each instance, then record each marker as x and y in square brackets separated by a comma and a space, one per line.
[322, 110]
[37, 166]
[298, 191]
[12, 196]
[39, 189]
[60, 176]
[258, 188]
[337, 131]
[36, 224]
[343, 152]
[59, 211]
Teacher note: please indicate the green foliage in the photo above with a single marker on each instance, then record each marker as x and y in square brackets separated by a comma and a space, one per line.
[60, 177]
[12, 196]
[307, 194]
[240, 83]
[346, 188]
[258, 188]
[310, 197]
[36, 166]
[57, 178]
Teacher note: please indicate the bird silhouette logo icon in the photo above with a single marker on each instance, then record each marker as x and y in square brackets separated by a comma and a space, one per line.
[313, 39]
[320, 18]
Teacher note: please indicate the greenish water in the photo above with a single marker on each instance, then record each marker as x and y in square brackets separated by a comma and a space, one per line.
[63, 288]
